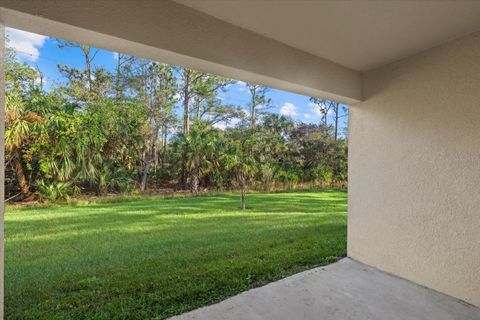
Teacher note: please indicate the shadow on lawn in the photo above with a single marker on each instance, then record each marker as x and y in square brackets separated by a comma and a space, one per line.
[153, 258]
[179, 213]
[255, 203]
[145, 223]
[108, 225]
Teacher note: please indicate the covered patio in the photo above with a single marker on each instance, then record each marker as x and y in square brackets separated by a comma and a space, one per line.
[410, 70]
[343, 290]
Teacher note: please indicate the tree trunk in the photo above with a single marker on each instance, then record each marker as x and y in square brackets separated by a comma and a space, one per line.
[186, 103]
[241, 181]
[22, 180]
[88, 67]
[117, 81]
[252, 107]
[242, 199]
[336, 120]
[164, 142]
[186, 122]
[194, 181]
[143, 184]
[155, 157]
[197, 109]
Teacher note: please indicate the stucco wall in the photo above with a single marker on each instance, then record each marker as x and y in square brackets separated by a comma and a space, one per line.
[414, 170]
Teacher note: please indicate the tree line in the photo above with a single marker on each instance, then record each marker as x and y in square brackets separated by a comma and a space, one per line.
[149, 126]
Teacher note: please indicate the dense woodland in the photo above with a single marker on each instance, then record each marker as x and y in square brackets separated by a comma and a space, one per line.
[153, 127]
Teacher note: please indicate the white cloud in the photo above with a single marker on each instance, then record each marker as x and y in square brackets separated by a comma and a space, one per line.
[313, 105]
[318, 112]
[242, 86]
[307, 116]
[316, 109]
[115, 55]
[220, 125]
[223, 125]
[234, 121]
[288, 109]
[25, 43]
[41, 80]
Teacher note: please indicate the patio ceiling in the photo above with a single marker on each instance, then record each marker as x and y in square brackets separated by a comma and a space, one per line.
[359, 35]
[316, 48]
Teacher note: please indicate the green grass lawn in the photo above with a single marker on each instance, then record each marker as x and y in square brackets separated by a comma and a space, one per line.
[150, 258]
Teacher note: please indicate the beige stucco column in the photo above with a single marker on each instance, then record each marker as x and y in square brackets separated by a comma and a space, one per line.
[414, 169]
[2, 158]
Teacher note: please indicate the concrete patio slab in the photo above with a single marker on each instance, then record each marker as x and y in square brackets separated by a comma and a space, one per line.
[344, 290]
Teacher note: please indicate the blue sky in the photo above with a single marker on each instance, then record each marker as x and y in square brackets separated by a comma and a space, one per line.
[43, 52]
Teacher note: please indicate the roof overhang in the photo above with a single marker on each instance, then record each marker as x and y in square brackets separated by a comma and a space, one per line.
[284, 45]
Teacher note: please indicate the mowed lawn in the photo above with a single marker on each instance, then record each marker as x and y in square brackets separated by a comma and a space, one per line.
[150, 258]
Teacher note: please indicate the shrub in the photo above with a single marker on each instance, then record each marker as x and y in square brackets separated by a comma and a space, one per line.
[54, 191]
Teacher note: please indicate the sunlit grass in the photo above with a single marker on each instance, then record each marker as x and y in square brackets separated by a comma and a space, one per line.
[150, 258]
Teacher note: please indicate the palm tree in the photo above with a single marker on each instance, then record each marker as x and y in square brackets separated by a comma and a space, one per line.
[19, 126]
[241, 163]
[199, 145]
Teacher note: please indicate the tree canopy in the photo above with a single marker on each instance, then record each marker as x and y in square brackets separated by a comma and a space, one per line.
[148, 126]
